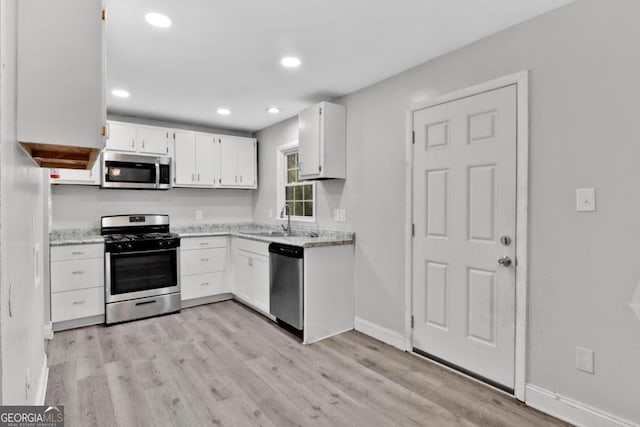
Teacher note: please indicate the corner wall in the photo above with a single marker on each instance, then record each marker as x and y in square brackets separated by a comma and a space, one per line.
[584, 67]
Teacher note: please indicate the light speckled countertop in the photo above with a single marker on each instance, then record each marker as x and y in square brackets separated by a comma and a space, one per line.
[303, 237]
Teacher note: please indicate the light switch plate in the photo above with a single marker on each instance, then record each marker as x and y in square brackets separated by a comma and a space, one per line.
[270, 213]
[336, 215]
[586, 199]
[198, 214]
[343, 215]
[584, 360]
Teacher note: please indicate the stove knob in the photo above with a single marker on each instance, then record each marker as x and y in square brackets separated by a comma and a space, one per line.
[129, 246]
[119, 247]
[161, 243]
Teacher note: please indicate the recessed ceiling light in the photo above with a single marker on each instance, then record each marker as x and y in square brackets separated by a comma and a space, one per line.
[290, 62]
[223, 111]
[158, 19]
[273, 110]
[120, 93]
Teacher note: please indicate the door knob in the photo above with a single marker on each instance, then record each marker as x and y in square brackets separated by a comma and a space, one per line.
[505, 261]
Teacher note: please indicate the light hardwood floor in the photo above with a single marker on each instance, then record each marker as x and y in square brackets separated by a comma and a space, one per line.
[222, 364]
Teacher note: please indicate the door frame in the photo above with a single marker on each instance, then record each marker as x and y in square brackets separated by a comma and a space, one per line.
[521, 80]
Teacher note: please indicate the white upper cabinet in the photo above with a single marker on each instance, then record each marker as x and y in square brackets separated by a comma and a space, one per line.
[152, 140]
[238, 164]
[61, 81]
[196, 159]
[121, 137]
[137, 138]
[322, 142]
[77, 176]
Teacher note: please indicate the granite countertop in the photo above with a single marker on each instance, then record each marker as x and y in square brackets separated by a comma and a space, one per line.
[302, 237]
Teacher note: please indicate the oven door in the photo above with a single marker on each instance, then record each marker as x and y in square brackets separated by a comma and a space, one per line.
[131, 275]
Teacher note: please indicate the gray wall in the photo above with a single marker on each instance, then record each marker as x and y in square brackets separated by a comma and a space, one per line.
[22, 196]
[75, 206]
[584, 69]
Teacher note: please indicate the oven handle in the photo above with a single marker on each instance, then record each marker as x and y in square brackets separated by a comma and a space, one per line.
[157, 174]
[144, 252]
[146, 302]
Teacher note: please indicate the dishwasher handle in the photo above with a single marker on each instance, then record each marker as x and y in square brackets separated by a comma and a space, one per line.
[288, 251]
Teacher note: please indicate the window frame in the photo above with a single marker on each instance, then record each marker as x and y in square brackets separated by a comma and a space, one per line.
[281, 171]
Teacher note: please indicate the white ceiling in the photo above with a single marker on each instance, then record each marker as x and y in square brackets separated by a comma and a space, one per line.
[227, 53]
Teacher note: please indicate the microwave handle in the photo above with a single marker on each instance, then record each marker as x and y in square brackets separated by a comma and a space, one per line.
[157, 174]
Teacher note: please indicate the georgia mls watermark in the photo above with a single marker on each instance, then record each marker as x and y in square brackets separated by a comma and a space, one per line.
[31, 416]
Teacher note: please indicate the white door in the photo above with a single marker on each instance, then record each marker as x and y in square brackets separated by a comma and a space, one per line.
[153, 140]
[122, 137]
[247, 162]
[261, 296]
[229, 161]
[464, 213]
[309, 136]
[205, 157]
[184, 157]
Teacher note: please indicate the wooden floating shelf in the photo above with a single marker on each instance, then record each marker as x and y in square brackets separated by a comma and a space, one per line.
[61, 156]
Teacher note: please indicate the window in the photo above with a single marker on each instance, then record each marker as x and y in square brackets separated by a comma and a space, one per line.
[299, 195]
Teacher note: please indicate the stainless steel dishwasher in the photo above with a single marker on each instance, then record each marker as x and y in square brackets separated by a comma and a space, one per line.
[286, 284]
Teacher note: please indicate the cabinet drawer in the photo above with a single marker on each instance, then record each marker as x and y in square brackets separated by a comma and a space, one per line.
[59, 253]
[202, 285]
[203, 261]
[77, 304]
[77, 274]
[189, 243]
[253, 246]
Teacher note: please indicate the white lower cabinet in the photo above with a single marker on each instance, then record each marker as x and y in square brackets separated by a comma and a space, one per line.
[251, 272]
[77, 282]
[77, 304]
[203, 267]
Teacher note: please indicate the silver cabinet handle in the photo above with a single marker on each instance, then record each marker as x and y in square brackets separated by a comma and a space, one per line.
[10, 293]
[251, 261]
[79, 302]
[198, 176]
[204, 259]
[505, 261]
[241, 179]
[204, 284]
[133, 143]
[77, 253]
[204, 243]
[193, 177]
[143, 143]
[77, 272]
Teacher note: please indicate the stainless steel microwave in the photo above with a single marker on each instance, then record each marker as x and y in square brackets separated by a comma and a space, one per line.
[120, 170]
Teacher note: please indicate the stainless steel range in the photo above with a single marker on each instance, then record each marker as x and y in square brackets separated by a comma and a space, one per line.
[142, 267]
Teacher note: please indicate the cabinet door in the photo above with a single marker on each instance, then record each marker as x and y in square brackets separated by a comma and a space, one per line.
[243, 275]
[247, 163]
[153, 140]
[229, 162]
[309, 137]
[260, 282]
[184, 157]
[122, 137]
[205, 157]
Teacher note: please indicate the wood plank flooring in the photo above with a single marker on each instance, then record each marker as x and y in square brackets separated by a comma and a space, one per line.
[224, 365]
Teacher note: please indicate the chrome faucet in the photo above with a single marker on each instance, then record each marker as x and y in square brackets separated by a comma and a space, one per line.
[286, 208]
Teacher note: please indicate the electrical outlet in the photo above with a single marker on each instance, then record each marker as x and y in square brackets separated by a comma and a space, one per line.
[586, 199]
[270, 213]
[584, 360]
[336, 215]
[198, 214]
[343, 215]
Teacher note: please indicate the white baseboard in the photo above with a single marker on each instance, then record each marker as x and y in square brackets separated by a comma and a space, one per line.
[571, 410]
[41, 391]
[380, 333]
